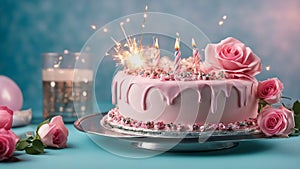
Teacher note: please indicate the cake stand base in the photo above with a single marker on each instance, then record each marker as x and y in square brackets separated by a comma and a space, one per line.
[186, 147]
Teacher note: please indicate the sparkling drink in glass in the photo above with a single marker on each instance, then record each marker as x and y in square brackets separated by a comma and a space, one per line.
[67, 88]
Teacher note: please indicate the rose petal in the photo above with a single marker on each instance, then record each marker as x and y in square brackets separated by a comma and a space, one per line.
[57, 120]
[210, 56]
[43, 130]
[290, 120]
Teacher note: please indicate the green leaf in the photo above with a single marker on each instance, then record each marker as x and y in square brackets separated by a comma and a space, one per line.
[296, 109]
[297, 132]
[31, 145]
[31, 150]
[21, 145]
[297, 121]
[261, 105]
[38, 145]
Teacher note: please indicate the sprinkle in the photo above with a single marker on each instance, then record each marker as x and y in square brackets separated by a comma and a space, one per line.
[195, 127]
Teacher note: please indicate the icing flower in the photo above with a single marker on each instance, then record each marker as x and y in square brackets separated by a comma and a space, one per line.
[8, 141]
[54, 134]
[6, 117]
[233, 57]
[276, 121]
[270, 90]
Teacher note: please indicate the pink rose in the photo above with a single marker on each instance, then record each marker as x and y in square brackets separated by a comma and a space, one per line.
[270, 90]
[6, 117]
[8, 141]
[234, 58]
[54, 134]
[276, 121]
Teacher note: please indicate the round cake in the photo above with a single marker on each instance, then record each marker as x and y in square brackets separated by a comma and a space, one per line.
[154, 93]
[184, 102]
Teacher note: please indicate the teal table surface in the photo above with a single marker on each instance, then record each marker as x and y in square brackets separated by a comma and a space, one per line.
[83, 152]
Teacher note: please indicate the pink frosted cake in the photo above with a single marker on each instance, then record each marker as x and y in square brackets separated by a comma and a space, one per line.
[155, 93]
[184, 102]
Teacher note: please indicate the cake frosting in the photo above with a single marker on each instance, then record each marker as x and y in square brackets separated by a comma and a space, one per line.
[185, 102]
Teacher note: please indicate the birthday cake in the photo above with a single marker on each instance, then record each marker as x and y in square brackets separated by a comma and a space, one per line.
[154, 93]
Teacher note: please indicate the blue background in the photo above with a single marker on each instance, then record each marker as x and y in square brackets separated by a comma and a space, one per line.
[29, 28]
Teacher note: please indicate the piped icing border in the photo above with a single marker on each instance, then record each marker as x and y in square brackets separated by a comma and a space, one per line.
[116, 120]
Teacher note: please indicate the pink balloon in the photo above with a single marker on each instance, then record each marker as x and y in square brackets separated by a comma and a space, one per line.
[10, 94]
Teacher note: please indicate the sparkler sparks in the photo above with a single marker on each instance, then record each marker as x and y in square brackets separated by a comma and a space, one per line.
[143, 24]
[131, 55]
[93, 27]
[221, 22]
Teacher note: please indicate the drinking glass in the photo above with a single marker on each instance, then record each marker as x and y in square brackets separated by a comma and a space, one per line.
[67, 85]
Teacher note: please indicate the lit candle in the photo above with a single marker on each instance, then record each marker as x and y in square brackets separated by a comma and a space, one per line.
[157, 53]
[196, 56]
[177, 56]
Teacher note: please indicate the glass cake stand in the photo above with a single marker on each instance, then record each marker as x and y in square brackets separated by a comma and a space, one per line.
[165, 141]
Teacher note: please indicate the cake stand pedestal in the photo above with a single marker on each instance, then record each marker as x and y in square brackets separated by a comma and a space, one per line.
[186, 147]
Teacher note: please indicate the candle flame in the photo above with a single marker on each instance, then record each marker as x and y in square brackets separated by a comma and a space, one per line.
[177, 44]
[156, 43]
[193, 42]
